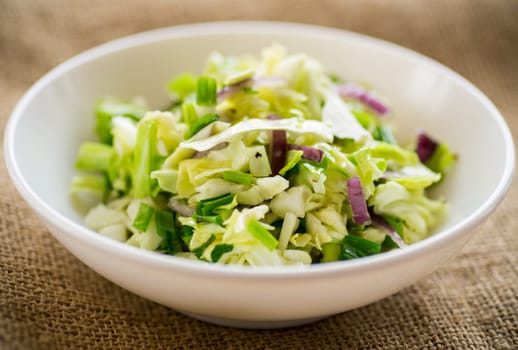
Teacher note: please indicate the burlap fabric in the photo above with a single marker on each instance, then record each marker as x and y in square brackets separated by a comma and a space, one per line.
[49, 300]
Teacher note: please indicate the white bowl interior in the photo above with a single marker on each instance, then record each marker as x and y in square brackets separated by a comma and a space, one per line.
[423, 96]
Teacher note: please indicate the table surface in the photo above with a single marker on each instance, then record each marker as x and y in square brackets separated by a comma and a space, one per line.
[48, 299]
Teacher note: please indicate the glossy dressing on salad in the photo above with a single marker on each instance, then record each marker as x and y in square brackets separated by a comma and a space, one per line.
[263, 160]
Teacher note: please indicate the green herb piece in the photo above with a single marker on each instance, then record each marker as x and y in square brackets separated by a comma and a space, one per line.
[441, 159]
[212, 219]
[368, 120]
[292, 158]
[199, 250]
[206, 206]
[396, 223]
[95, 156]
[186, 233]
[356, 247]
[219, 250]
[331, 252]
[189, 115]
[143, 217]
[145, 150]
[109, 108]
[238, 177]
[262, 234]
[165, 228]
[388, 244]
[384, 133]
[182, 85]
[200, 124]
[206, 94]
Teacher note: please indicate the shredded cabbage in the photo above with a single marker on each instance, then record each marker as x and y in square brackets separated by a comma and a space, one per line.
[197, 181]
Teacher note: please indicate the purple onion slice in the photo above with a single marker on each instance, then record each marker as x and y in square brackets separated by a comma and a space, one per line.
[360, 94]
[426, 147]
[309, 153]
[381, 223]
[230, 89]
[357, 200]
[278, 150]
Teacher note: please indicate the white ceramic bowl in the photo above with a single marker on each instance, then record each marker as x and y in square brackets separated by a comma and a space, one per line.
[55, 116]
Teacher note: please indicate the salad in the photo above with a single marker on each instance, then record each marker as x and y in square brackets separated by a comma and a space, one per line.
[263, 160]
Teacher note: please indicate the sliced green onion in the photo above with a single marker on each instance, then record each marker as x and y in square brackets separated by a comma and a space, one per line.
[165, 228]
[143, 217]
[189, 114]
[385, 134]
[365, 118]
[388, 243]
[212, 219]
[200, 124]
[356, 247]
[262, 234]
[219, 250]
[206, 91]
[89, 182]
[186, 233]
[199, 250]
[292, 158]
[238, 177]
[144, 157]
[109, 108]
[183, 85]
[441, 159]
[206, 206]
[396, 223]
[95, 156]
[331, 252]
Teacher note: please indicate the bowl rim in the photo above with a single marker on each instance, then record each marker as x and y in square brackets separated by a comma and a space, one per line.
[158, 260]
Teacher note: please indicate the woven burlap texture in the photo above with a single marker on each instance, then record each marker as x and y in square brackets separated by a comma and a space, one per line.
[49, 300]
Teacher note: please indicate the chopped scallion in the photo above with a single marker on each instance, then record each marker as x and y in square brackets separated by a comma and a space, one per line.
[331, 252]
[206, 206]
[219, 250]
[186, 233]
[385, 134]
[165, 228]
[199, 251]
[182, 85]
[292, 158]
[143, 217]
[206, 91]
[145, 150]
[189, 114]
[356, 247]
[212, 219]
[200, 124]
[238, 177]
[95, 156]
[262, 234]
